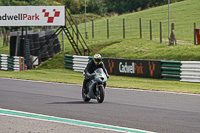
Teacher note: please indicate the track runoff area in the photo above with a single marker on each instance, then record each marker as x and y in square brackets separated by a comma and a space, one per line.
[14, 113]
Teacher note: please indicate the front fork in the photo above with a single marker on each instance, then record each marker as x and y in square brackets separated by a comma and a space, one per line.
[97, 88]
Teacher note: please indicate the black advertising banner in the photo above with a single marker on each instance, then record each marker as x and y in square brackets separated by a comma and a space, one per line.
[135, 68]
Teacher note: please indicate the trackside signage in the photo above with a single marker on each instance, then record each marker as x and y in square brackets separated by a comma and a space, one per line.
[32, 15]
[134, 68]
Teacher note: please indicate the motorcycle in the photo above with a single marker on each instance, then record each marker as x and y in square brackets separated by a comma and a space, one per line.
[96, 86]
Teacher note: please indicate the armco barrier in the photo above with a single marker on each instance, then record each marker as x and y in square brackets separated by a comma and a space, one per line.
[76, 62]
[11, 63]
[170, 70]
[4, 62]
[68, 61]
[190, 71]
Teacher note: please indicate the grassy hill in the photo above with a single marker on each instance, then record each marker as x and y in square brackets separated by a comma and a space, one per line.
[183, 14]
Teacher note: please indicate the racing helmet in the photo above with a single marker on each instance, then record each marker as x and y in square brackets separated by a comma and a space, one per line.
[97, 59]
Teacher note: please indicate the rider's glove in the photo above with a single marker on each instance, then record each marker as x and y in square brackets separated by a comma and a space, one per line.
[91, 76]
[108, 76]
[87, 75]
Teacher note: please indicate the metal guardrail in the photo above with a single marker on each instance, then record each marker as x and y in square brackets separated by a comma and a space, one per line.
[11, 63]
[68, 61]
[170, 70]
[135, 68]
[76, 62]
[188, 71]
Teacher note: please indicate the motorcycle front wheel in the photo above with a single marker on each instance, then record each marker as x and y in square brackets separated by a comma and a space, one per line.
[84, 96]
[101, 94]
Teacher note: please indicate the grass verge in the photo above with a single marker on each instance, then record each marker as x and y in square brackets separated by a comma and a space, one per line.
[69, 76]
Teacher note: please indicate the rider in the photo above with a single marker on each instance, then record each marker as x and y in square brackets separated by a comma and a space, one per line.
[95, 63]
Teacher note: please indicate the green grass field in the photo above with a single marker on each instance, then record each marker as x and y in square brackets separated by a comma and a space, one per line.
[184, 14]
[69, 76]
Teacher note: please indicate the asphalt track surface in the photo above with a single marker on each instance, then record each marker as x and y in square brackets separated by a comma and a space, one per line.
[146, 110]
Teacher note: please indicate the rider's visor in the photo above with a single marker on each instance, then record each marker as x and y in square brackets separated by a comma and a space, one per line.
[98, 60]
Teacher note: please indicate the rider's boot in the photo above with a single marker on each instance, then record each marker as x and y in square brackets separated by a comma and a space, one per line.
[104, 85]
[84, 86]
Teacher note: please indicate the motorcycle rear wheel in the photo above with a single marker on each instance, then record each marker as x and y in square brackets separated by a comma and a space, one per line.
[101, 94]
[84, 96]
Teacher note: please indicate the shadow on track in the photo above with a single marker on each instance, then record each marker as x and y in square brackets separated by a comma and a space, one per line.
[74, 102]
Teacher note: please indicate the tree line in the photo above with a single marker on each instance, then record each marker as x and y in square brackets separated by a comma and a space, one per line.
[100, 7]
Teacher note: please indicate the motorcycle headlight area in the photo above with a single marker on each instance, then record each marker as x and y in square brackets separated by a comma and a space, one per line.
[101, 75]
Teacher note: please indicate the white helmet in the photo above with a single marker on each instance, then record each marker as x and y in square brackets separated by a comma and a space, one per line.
[97, 59]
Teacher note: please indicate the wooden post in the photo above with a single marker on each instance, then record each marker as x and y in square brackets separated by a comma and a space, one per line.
[107, 28]
[92, 28]
[172, 37]
[20, 63]
[160, 32]
[150, 31]
[140, 28]
[194, 33]
[123, 28]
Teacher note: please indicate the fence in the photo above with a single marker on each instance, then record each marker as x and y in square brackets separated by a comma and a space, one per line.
[11, 63]
[140, 28]
[188, 71]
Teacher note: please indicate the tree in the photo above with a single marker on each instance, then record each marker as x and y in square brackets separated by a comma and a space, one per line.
[123, 6]
[97, 6]
[19, 3]
[76, 6]
[5, 2]
[40, 2]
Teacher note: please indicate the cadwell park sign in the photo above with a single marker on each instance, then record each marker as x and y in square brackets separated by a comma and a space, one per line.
[135, 68]
[32, 16]
[121, 67]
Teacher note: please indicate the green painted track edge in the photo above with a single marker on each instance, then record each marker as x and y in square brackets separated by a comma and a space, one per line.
[76, 122]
